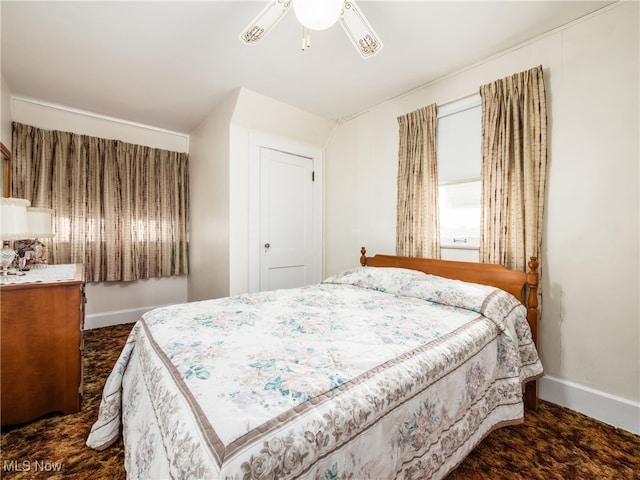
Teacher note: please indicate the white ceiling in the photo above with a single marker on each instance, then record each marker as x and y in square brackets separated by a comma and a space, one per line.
[169, 63]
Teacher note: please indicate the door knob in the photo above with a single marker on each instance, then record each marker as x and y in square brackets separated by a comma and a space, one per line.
[267, 245]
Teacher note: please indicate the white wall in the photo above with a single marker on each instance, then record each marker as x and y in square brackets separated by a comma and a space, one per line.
[5, 126]
[5, 120]
[209, 204]
[57, 117]
[589, 332]
[112, 302]
[5, 114]
[219, 182]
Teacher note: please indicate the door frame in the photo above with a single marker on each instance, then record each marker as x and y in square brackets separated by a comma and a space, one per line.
[256, 142]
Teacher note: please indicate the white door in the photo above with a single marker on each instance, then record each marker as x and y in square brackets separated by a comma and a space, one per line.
[286, 220]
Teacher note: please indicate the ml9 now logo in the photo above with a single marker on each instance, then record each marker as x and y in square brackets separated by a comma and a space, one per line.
[30, 466]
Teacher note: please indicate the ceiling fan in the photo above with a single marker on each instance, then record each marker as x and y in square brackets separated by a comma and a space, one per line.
[317, 15]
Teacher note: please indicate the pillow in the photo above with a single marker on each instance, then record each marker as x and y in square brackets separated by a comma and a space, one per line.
[489, 301]
[382, 279]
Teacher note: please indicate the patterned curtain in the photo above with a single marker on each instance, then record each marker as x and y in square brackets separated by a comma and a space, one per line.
[120, 209]
[418, 225]
[514, 159]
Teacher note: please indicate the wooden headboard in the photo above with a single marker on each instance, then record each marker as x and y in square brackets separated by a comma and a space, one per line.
[522, 285]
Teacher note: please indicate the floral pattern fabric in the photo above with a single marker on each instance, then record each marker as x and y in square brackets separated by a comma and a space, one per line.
[374, 373]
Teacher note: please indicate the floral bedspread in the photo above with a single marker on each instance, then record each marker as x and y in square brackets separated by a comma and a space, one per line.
[374, 373]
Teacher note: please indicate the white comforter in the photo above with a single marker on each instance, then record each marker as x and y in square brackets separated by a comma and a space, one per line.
[375, 373]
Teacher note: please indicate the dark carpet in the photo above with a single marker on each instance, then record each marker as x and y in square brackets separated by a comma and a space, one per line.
[553, 443]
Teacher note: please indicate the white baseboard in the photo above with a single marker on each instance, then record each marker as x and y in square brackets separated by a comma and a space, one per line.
[616, 411]
[118, 317]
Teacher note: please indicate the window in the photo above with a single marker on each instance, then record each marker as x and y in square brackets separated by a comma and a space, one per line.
[460, 215]
[121, 209]
[459, 145]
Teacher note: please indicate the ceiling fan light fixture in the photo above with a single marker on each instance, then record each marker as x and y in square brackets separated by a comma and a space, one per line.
[317, 14]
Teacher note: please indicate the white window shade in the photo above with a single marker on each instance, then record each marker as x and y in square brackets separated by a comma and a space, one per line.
[459, 141]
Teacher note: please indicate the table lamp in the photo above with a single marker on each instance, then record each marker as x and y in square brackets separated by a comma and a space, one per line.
[39, 226]
[13, 226]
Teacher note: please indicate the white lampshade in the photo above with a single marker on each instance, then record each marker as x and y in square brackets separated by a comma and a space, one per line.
[13, 219]
[39, 222]
[317, 14]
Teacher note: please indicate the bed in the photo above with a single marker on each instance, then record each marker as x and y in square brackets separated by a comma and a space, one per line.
[394, 369]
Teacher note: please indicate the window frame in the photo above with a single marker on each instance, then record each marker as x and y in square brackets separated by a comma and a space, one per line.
[447, 110]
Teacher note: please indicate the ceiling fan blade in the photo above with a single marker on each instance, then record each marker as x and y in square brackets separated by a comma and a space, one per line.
[265, 21]
[359, 31]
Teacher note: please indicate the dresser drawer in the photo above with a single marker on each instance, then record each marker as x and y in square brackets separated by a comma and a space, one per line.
[41, 347]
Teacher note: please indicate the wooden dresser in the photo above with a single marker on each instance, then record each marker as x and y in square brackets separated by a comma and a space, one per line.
[41, 343]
